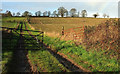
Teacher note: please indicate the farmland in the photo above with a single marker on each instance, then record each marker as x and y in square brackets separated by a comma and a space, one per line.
[54, 25]
[54, 54]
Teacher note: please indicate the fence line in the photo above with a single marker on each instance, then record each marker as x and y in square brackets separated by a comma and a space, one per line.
[77, 32]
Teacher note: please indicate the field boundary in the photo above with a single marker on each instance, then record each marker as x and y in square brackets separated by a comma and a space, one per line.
[76, 34]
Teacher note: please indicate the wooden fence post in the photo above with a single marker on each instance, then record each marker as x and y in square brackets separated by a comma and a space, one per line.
[42, 36]
[63, 30]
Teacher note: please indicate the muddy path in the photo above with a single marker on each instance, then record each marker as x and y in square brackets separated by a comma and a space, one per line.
[19, 62]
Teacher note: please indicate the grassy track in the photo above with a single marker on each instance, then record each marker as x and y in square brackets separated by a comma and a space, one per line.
[41, 58]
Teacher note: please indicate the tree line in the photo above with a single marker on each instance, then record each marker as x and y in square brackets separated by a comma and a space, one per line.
[60, 12]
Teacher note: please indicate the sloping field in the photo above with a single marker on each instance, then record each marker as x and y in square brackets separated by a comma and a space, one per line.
[11, 22]
[56, 24]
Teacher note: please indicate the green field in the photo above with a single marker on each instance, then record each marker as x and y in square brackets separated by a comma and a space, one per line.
[11, 22]
[45, 61]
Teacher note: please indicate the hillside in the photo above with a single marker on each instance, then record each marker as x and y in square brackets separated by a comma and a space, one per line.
[56, 24]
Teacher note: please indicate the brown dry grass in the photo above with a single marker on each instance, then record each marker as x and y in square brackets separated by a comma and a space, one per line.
[52, 34]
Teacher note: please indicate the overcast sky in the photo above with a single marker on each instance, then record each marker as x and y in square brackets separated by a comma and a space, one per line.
[108, 7]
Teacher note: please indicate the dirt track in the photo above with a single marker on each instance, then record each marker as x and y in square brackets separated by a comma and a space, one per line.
[19, 62]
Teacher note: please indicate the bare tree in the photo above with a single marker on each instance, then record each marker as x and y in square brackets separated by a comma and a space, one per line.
[35, 13]
[13, 14]
[39, 13]
[8, 13]
[66, 13]
[95, 15]
[55, 13]
[26, 13]
[62, 11]
[104, 15]
[49, 13]
[107, 16]
[84, 13]
[72, 12]
[29, 14]
[18, 14]
[45, 13]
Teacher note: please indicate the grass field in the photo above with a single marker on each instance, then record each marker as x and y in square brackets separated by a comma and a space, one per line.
[53, 26]
[56, 24]
[41, 58]
[11, 22]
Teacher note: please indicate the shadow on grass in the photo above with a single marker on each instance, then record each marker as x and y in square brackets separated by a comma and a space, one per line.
[19, 61]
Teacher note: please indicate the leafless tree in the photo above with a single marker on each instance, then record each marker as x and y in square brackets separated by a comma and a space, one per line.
[108, 16]
[45, 13]
[95, 15]
[84, 13]
[55, 13]
[35, 13]
[39, 13]
[66, 13]
[49, 13]
[104, 15]
[26, 13]
[72, 12]
[8, 13]
[18, 14]
[13, 14]
[62, 11]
